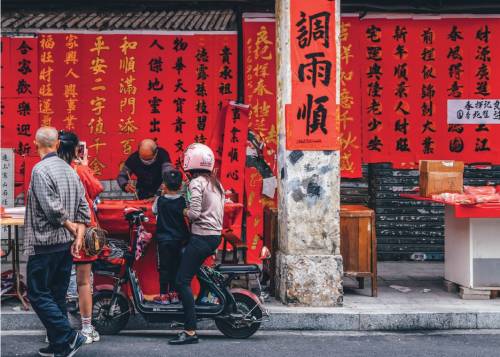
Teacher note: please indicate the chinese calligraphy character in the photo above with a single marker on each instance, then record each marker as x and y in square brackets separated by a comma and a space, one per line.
[313, 28]
[315, 118]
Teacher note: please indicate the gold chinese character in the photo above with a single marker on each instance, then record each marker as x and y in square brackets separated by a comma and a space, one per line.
[46, 106]
[45, 90]
[261, 110]
[344, 31]
[262, 49]
[96, 88]
[97, 166]
[261, 70]
[98, 105]
[71, 57]
[97, 145]
[127, 101]
[99, 45]
[272, 135]
[127, 85]
[71, 42]
[126, 145]
[345, 77]
[346, 53]
[46, 74]
[346, 99]
[47, 42]
[98, 65]
[71, 105]
[346, 163]
[70, 90]
[46, 120]
[347, 140]
[127, 64]
[345, 118]
[127, 126]
[46, 57]
[72, 74]
[96, 126]
[126, 45]
[70, 121]
[261, 89]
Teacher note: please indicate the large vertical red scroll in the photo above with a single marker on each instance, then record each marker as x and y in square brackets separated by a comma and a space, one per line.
[260, 94]
[311, 118]
[350, 98]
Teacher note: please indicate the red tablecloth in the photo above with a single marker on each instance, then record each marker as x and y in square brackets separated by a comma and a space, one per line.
[480, 210]
[111, 218]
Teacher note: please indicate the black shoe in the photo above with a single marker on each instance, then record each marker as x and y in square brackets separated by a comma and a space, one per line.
[74, 346]
[46, 352]
[183, 339]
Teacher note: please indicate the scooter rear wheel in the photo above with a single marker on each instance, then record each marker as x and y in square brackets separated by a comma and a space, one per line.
[108, 322]
[241, 328]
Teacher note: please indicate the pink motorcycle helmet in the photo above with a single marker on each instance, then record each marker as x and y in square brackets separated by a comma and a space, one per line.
[198, 157]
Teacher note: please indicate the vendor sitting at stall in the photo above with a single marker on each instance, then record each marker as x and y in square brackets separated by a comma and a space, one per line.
[148, 164]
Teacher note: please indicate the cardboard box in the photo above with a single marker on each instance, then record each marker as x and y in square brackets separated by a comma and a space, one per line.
[439, 176]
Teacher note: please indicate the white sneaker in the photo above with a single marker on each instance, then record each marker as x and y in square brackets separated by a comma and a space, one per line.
[91, 336]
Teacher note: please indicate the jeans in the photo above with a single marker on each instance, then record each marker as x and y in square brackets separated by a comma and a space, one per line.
[198, 249]
[169, 258]
[48, 280]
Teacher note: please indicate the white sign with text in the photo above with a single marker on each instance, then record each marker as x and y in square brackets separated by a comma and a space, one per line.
[7, 177]
[473, 111]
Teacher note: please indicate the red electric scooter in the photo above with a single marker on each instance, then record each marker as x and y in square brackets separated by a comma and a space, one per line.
[238, 313]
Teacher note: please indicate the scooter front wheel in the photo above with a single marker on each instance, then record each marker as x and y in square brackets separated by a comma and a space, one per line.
[244, 326]
[107, 320]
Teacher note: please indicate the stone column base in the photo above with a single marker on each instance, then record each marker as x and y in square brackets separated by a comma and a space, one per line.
[312, 280]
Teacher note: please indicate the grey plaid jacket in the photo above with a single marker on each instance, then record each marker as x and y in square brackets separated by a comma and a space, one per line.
[55, 195]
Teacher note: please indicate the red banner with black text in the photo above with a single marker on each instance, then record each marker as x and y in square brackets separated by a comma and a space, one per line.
[411, 71]
[311, 117]
[19, 102]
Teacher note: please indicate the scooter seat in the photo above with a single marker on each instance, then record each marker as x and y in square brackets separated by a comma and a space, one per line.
[238, 269]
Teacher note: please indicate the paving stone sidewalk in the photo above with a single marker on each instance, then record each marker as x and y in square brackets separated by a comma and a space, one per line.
[391, 310]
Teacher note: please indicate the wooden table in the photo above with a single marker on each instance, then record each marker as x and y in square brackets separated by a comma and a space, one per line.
[358, 244]
[13, 245]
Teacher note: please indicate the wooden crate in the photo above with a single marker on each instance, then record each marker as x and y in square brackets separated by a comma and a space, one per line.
[358, 244]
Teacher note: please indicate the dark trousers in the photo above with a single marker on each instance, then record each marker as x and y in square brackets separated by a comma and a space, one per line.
[169, 259]
[48, 280]
[198, 249]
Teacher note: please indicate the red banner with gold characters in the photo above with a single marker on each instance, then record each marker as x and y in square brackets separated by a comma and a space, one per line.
[350, 99]
[261, 144]
[413, 71]
[115, 90]
[311, 118]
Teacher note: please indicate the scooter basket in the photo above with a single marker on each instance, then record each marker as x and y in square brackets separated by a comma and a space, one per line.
[112, 257]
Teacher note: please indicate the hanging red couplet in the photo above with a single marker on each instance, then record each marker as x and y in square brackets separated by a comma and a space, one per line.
[350, 99]
[311, 119]
[234, 154]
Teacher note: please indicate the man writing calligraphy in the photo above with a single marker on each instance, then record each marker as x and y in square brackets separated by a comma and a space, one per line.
[148, 164]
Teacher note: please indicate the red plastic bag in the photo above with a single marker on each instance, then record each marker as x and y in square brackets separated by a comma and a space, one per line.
[479, 190]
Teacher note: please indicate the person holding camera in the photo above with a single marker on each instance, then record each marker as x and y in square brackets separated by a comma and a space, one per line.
[68, 151]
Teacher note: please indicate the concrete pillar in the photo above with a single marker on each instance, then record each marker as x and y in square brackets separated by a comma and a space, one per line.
[309, 264]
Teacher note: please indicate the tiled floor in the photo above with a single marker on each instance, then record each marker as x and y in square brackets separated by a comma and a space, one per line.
[417, 276]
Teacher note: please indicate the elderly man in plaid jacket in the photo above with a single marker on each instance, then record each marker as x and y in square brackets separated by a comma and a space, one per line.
[56, 215]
